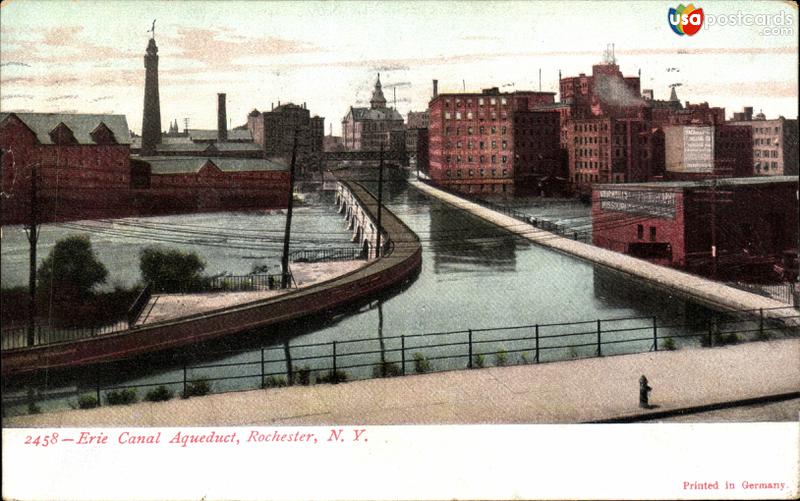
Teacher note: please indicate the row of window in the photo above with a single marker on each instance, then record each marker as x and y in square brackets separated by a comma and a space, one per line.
[766, 130]
[470, 116]
[767, 141]
[471, 159]
[471, 130]
[481, 101]
[591, 127]
[471, 173]
[765, 153]
[766, 166]
[471, 144]
[640, 232]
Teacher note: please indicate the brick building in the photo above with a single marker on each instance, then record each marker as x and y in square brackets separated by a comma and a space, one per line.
[414, 122]
[274, 132]
[743, 227]
[492, 142]
[775, 148]
[367, 129]
[703, 151]
[81, 163]
[192, 184]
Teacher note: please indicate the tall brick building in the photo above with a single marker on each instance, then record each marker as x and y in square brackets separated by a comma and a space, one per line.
[701, 151]
[775, 148]
[274, 132]
[367, 129]
[492, 142]
[81, 163]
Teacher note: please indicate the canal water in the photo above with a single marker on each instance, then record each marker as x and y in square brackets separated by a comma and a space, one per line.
[474, 277]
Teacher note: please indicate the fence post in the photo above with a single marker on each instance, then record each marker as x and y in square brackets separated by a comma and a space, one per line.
[761, 322]
[262, 368]
[333, 376]
[469, 339]
[184, 381]
[537, 343]
[599, 344]
[403, 354]
[655, 335]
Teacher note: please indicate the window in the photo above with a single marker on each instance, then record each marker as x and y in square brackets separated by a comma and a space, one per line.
[481, 130]
[505, 172]
[503, 130]
[469, 145]
[652, 233]
[482, 145]
[469, 115]
[469, 158]
[494, 145]
[504, 159]
[480, 101]
[494, 159]
[469, 129]
[639, 231]
[458, 173]
[471, 173]
[494, 115]
[503, 100]
[447, 173]
[458, 115]
[492, 101]
[494, 130]
[447, 115]
[505, 145]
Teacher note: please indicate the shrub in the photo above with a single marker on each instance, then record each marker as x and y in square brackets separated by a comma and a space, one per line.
[386, 369]
[87, 402]
[669, 344]
[479, 361]
[122, 397]
[763, 335]
[501, 358]
[705, 340]
[197, 388]
[333, 377]
[303, 376]
[731, 338]
[525, 359]
[421, 364]
[171, 270]
[33, 408]
[719, 338]
[573, 353]
[159, 394]
[274, 382]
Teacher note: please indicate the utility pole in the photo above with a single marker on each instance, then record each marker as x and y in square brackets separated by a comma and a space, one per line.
[287, 233]
[32, 231]
[380, 203]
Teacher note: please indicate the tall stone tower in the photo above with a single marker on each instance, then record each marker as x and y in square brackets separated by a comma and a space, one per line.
[377, 101]
[151, 118]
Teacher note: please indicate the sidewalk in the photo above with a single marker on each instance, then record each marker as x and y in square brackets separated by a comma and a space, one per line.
[560, 392]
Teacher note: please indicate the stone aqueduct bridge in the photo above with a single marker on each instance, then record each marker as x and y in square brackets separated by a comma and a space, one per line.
[362, 221]
[399, 264]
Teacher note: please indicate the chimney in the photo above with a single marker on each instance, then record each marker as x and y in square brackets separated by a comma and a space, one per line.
[304, 105]
[435, 88]
[748, 113]
[222, 126]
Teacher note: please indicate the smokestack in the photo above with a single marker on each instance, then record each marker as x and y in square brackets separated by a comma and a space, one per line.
[222, 125]
[435, 88]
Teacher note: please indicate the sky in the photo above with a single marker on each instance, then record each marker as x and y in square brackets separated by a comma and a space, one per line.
[87, 57]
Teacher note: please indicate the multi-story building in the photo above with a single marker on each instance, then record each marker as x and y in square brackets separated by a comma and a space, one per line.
[81, 163]
[369, 129]
[775, 148]
[415, 121]
[491, 142]
[702, 151]
[274, 131]
[707, 227]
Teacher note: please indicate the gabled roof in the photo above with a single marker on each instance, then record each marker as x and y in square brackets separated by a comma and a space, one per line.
[200, 147]
[374, 114]
[192, 165]
[212, 135]
[81, 125]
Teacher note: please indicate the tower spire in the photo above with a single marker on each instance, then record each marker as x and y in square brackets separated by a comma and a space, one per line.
[377, 101]
[151, 117]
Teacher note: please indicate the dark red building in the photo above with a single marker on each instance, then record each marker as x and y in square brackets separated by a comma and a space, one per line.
[81, 163]
[492, 142]
[736, 228]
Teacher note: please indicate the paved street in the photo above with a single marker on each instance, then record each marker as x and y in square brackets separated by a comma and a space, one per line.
[561, 392]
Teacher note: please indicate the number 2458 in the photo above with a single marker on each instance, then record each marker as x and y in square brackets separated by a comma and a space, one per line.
[42, 440]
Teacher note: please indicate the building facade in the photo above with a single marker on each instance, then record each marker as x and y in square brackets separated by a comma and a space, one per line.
[492, 142]
[274, 131]
[694, 152]
[706, 227]
[775, 143]
[369, 129]
[80, 161]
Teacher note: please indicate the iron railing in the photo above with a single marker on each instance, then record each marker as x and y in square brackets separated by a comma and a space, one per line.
[785, 293]
[326, 254]
[443, 351]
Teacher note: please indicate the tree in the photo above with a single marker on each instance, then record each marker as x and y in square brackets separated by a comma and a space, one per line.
[171, 270]
[70, 272]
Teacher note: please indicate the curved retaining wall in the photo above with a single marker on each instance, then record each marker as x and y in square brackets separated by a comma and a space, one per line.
[380, 274]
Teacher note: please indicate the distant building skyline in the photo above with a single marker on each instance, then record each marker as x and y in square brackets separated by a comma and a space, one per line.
[86, 57]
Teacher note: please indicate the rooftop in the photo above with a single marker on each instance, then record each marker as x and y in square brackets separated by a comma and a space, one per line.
[82, 125]
[708, 183]
[192, 165]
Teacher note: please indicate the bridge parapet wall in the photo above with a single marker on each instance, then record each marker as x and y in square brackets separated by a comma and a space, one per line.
[362, 222]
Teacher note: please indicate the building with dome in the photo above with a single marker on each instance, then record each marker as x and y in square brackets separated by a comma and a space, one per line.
[367, 129]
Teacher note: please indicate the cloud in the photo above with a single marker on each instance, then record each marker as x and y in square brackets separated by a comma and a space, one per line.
[388, 66]
[397, 84]
[17, 96]
[63, 44]
[15, 63]
[60, 98]
[217, 49]
[103, 98]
